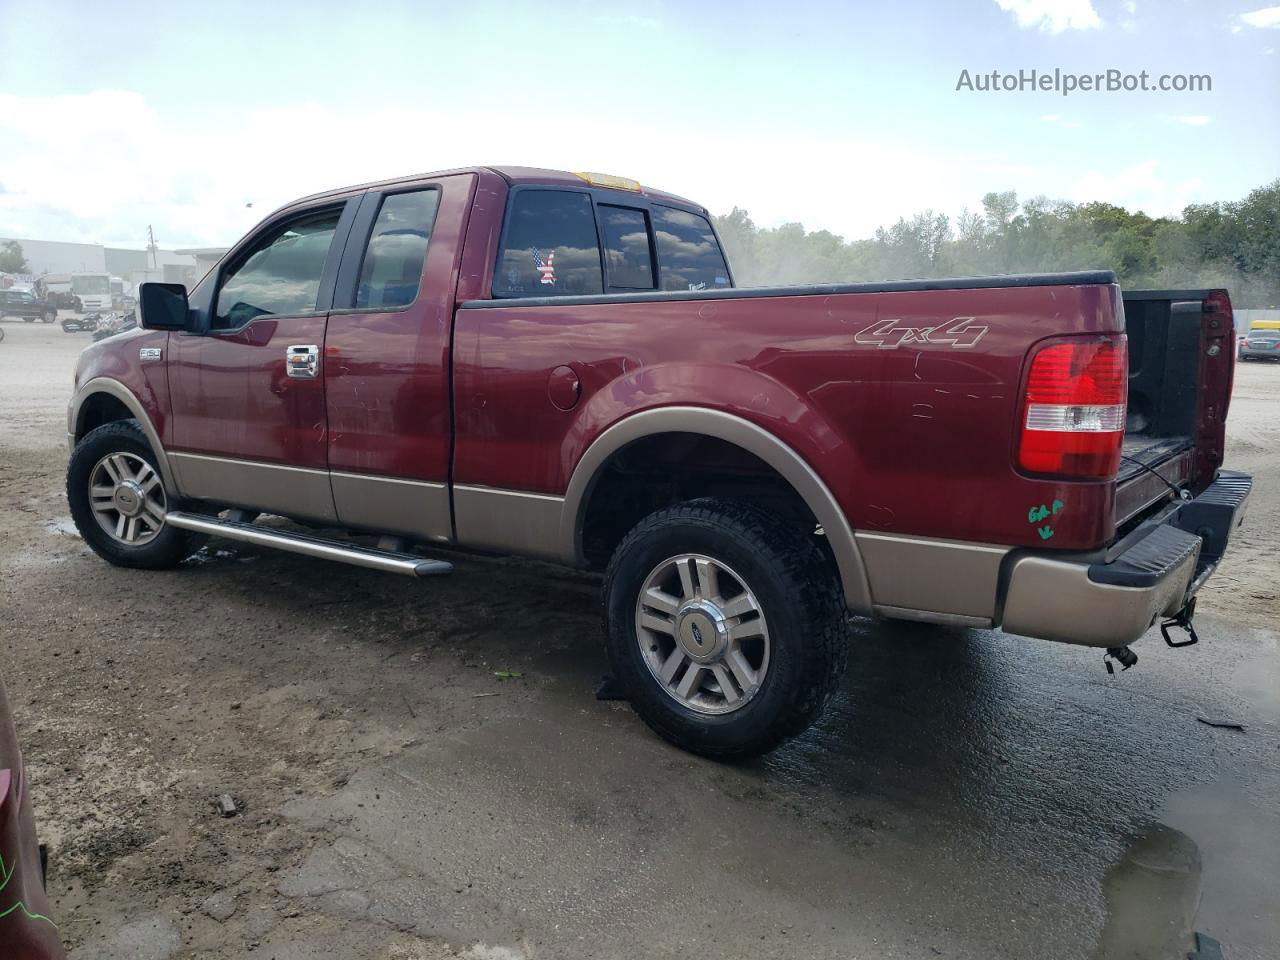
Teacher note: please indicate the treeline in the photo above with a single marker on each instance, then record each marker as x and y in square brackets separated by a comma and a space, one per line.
[1234, 245]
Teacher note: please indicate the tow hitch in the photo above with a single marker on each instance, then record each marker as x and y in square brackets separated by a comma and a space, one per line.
[1121, 655]
[1183, 620]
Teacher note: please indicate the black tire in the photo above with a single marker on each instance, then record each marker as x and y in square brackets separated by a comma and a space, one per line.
[798, 593]
[50, 316]
[28, 319]
[169, 547]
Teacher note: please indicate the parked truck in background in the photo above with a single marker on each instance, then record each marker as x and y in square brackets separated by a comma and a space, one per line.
[93, 290]
[558, 365]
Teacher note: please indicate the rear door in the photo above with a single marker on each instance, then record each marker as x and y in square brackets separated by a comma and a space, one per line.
[250, 426]
[387, 359]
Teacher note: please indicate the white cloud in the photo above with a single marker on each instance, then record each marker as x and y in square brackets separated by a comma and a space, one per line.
[1060, 121]
[1137, 187]
[1263, 17]
[103, 165]
[1053, 16]
[1193, 120]
[1129, 21]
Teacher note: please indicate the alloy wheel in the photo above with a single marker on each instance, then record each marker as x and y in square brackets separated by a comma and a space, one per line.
[702, 634]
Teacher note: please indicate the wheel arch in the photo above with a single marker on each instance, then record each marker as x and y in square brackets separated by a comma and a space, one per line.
[738, 432]
[104, 400]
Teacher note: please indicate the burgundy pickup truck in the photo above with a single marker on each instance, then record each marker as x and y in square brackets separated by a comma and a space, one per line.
[558, 365]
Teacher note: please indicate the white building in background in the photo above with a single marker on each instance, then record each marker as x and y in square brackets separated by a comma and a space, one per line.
[133, 266]
[54, 256]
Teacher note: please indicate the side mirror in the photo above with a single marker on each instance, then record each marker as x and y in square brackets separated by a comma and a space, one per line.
[163, 306]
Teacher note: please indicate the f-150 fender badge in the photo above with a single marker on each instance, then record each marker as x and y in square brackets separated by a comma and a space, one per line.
[959, 334]
[147, 354]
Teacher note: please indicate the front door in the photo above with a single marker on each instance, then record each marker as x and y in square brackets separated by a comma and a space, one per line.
[249, 421]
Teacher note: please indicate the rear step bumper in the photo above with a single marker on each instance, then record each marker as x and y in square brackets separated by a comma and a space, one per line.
[311, 546]
[1113, 602]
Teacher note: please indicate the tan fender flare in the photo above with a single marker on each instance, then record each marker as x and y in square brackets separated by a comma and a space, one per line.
[742, 433]
[122, 393]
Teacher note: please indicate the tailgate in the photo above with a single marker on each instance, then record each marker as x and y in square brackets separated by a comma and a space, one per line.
[1181, 364]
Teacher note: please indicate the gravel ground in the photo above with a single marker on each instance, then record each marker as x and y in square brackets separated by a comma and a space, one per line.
[972, 794]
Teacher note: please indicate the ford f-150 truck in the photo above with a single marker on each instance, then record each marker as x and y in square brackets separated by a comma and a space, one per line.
[558, 365]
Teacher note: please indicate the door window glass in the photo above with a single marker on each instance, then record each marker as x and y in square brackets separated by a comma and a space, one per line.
[281, 274]
[397, 249]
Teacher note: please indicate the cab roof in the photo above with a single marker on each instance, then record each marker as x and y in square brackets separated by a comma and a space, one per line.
[514, 176]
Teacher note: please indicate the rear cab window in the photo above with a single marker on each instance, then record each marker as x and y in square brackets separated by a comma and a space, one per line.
[690, 256]
[551, 247]
[565, 242]
[628, 255]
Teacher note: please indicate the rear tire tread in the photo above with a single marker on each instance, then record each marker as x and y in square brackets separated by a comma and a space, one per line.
[804, 574]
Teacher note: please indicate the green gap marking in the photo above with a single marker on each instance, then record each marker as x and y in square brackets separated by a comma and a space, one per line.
[8, 875]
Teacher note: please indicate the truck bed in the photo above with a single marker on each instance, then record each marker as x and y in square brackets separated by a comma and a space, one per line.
[1141, 451]
[1165, 330]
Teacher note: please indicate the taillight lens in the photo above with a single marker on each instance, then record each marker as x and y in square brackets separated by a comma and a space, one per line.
[1074, 409]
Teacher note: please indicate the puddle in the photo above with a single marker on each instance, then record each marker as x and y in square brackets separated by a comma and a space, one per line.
[1238, 832]
[204, 557]
[64, 527]
[1152, 894]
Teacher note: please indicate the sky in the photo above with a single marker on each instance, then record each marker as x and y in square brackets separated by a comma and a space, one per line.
[199, 119]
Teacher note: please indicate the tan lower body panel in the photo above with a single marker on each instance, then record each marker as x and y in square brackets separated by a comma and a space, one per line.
[509, 521]
[411, 508]
[1056, 600]
[291, 491]
[938, 581]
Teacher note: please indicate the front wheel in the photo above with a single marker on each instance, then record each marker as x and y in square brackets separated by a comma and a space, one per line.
[724, 627]
[118, 500]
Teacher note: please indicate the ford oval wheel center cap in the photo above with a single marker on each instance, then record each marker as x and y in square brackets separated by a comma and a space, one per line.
[129, 498]
[702, 631]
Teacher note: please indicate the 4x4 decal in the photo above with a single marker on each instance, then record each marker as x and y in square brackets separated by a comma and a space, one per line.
[960, 333]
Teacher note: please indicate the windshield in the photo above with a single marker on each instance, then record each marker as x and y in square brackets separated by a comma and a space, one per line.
[90, 284]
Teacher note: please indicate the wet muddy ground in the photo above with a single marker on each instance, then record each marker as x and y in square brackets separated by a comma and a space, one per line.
[971, 795]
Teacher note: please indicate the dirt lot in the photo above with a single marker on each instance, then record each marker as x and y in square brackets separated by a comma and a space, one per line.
[973, 794]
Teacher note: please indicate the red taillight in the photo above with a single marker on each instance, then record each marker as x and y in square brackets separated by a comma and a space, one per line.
[1074, 410]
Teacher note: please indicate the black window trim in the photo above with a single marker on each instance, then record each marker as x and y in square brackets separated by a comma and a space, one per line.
[204, 299]
[356, 246]
[646, 212]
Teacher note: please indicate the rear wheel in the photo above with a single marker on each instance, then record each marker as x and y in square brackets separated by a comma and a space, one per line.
[50, 315]
[724, 627]
[118, 500]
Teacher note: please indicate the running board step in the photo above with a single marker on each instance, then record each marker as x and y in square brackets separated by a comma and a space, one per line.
[387, 561]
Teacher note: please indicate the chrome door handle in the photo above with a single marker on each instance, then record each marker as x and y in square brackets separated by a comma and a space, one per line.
[302, 361]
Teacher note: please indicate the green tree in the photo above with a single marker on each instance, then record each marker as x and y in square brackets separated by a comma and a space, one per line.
[12, 259]
[1234, 244]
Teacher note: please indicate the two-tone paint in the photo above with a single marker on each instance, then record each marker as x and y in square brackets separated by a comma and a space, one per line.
[461, 418]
